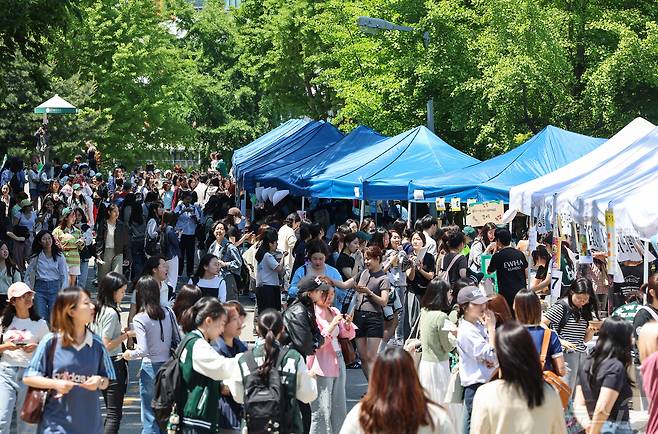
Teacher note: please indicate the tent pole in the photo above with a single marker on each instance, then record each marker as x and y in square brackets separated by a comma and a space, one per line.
[408, 214]
[363, 211]
[303, 203]
[646, 261]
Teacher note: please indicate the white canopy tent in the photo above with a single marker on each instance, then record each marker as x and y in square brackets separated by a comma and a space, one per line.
[539, 193]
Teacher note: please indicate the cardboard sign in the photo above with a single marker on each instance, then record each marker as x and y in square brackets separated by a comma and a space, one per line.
[440, 203]
[556, 284]
[481, 213]
[455, 204]
[419, 195]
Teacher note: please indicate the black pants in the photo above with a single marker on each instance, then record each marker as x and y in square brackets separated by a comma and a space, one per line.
[113, 397]
[268, 296]
[186, 429]
[305, 409]
[187, 244]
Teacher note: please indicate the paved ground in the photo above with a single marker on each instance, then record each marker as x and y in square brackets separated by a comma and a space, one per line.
[356, 383]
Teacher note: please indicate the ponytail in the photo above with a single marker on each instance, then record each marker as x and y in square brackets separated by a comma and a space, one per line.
[270, 325]
[207, 307]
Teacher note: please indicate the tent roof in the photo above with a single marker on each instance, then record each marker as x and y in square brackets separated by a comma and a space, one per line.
[545, 152]
[383, 170]
[265, 141]
[311, 139]
[540, 190]
[294, 175]
[56, 105]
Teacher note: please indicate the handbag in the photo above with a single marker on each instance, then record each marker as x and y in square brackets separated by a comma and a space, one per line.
[455, 390]
[413, 344]
[551, 377]
[35, 399]
[349, 353]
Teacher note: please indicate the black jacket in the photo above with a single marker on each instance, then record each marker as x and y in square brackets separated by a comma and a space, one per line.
[121, 239]
[301, 331]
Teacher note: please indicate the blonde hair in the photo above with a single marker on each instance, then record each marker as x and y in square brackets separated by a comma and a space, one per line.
[62, 317]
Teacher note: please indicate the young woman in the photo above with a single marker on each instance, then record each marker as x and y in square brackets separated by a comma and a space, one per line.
[112, 243]
[157, 333]
[156, 267]
[329, 410]
[603, 385]
[475, 345]
[107, 325]
[87, 251]
[541, 282]
[648, 348]
[419, 274]
[229, 345]
[202, 367]
[527, 309]
[396, 266]
[47, 272]
[230, 260]
[300, 385]
[485, 237]
[570, 317]
[209, 279]
[22, 330]
[299, 250]
[396, 402]
[187, 296]
[317, 253]
[345, 262]
[80, 368]
[438, 339]
[268, 287]
[8, 274]
[520, 401]
[69, 238]
[648, 312]
[22, 232]
[372, 287]
[455, 244]
[170, 246]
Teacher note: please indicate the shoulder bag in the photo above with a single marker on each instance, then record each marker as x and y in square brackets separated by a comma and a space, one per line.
[413, 344]
[35, 400]
[551, 377]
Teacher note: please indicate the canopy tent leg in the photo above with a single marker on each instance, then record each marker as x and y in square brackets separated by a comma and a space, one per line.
[408, 214]
[363, 211]
[646, 261]
[303, 203]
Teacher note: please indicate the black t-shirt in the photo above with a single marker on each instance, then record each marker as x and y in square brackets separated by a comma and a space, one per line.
[509, 265]
[461, 263]
[611, 374]
[299, 252]
[344, 261]
[633, 279]
[542, 271]
[419, 284]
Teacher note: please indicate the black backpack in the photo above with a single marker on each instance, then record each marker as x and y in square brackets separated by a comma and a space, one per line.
[167, 389]
[154, 246]
[265, 403]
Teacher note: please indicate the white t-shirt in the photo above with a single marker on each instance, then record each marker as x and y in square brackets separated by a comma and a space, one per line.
[164, 295]
[266, 273]
[209, 286]
[22, 330]
[442, 424]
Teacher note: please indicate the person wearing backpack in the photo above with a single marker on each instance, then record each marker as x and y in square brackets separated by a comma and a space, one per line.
[570, 317]
[276, 373]
[454, 265]
[202, 368]
[170, 247]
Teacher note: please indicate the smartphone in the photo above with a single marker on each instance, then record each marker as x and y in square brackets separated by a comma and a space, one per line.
[20, 344]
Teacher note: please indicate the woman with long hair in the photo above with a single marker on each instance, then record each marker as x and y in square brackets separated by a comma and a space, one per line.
[300, 385]
[420, 272]
[156, 267]
[8, 274]
[229, 259]
[112, 243]
[208, 278]
[107, 325]
[22, 232]
[46, 272]
[345, 263]
[604, 387]
[80, 368]
[316, 255]
[570, 317]
[396, 402]
[87, 251]
[185, 299]
[541, 282]
[22, 330]
[157, 333]
[69, 238]
[268, 284]
[520, 401]
[170, 246]
[329, 410]
[438, 339]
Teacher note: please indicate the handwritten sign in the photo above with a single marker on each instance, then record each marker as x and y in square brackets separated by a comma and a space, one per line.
[455, 203]
[481, 213]
[440, 203]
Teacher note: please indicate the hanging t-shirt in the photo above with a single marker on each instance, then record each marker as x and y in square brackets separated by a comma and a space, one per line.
[633, 279]
[22, 331]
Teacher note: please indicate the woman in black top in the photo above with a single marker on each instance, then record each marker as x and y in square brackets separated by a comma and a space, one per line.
[603, 385]
[419, 274]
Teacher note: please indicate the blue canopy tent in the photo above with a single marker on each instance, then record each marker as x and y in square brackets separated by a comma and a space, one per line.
[310, 140]
[383, 170]
[545, 152]
[286, 129]
[293, 176]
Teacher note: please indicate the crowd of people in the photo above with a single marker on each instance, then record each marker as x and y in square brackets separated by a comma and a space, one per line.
[443, 346]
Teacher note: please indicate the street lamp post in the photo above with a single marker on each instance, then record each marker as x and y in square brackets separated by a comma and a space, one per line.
[376, 25]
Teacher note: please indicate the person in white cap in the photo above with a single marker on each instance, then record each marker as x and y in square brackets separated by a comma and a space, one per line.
[21, 329]
[475, 344]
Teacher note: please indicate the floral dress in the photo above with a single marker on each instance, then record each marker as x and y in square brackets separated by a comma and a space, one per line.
[68, 241]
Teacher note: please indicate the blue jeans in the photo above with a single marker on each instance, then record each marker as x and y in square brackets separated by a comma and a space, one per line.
[146, 384]
[45, 296]
[12, 395]
[617, 428]
[84, 273]
[469, 394]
